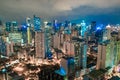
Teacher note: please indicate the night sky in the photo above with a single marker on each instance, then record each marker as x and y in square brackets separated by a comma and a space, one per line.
[104, 11]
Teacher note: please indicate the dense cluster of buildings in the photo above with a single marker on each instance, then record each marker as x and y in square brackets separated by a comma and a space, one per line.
[59, 51]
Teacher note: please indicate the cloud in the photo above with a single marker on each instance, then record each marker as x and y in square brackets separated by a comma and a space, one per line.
[51, 8]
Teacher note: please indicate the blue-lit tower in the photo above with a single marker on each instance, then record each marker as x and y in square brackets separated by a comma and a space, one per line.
[37, 23]
[55, 25]
[83, 28]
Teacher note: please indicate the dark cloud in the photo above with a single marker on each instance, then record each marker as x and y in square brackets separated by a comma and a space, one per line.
[50, 9]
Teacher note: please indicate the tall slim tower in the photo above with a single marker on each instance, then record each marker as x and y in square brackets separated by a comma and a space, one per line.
[56, 41]
[9, 47]
[101, 57]
[28, 35]
[37, 23]
[40, 44]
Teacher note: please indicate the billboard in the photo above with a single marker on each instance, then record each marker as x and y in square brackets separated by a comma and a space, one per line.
[15, 37]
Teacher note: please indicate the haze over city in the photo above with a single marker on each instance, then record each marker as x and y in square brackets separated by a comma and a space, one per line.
[104, 11]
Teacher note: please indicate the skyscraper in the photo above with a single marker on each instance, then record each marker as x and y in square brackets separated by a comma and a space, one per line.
[56, 41]
[68, 48]
[14, 26]
[40, 44]
[37, 23]
[101, 57]
[9, 47]
[28, 35]
[8, 26]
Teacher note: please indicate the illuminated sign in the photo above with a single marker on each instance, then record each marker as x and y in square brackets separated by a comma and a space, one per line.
[15, 37]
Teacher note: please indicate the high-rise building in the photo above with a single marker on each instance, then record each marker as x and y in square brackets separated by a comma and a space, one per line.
[40, 44]
[107, 33]
[56, 41]
[101, 57]
[68, 65]
[8, 26]
[9, 48]
[37, 23]
[55, 25]
[28, 35]
[68, 48]
[80, 50]
[14, 26]
[48, 38]
[2, 46]
[83, 28]
[74, 33]
[67, 37]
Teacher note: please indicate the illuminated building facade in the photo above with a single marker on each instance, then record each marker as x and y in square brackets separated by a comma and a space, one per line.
[56, 41]
[28, 35]
[40, 44]
[2, 46]
[68, 65]
[83, 28]
[9, 48]
[101, 57]
[68, 48]
[37, 23]
[8, 26]
[80, 51]
[14, 26]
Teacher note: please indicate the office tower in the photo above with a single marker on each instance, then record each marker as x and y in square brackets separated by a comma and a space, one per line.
[15, 37]
[48, 38]
[56, 41]
[8, 26]
[24, 33]
[83, 28]
[74, 33]
[68, 65]
[117, 57]
[80, 50]
[28, 35]
[14, 26]
[40, 44]
[101, 57]
[2, 46]
[55, 25]
[37, 23]
[9, 48]
[84, 56]
[68, 48]
[67, 37]
[107, 33]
